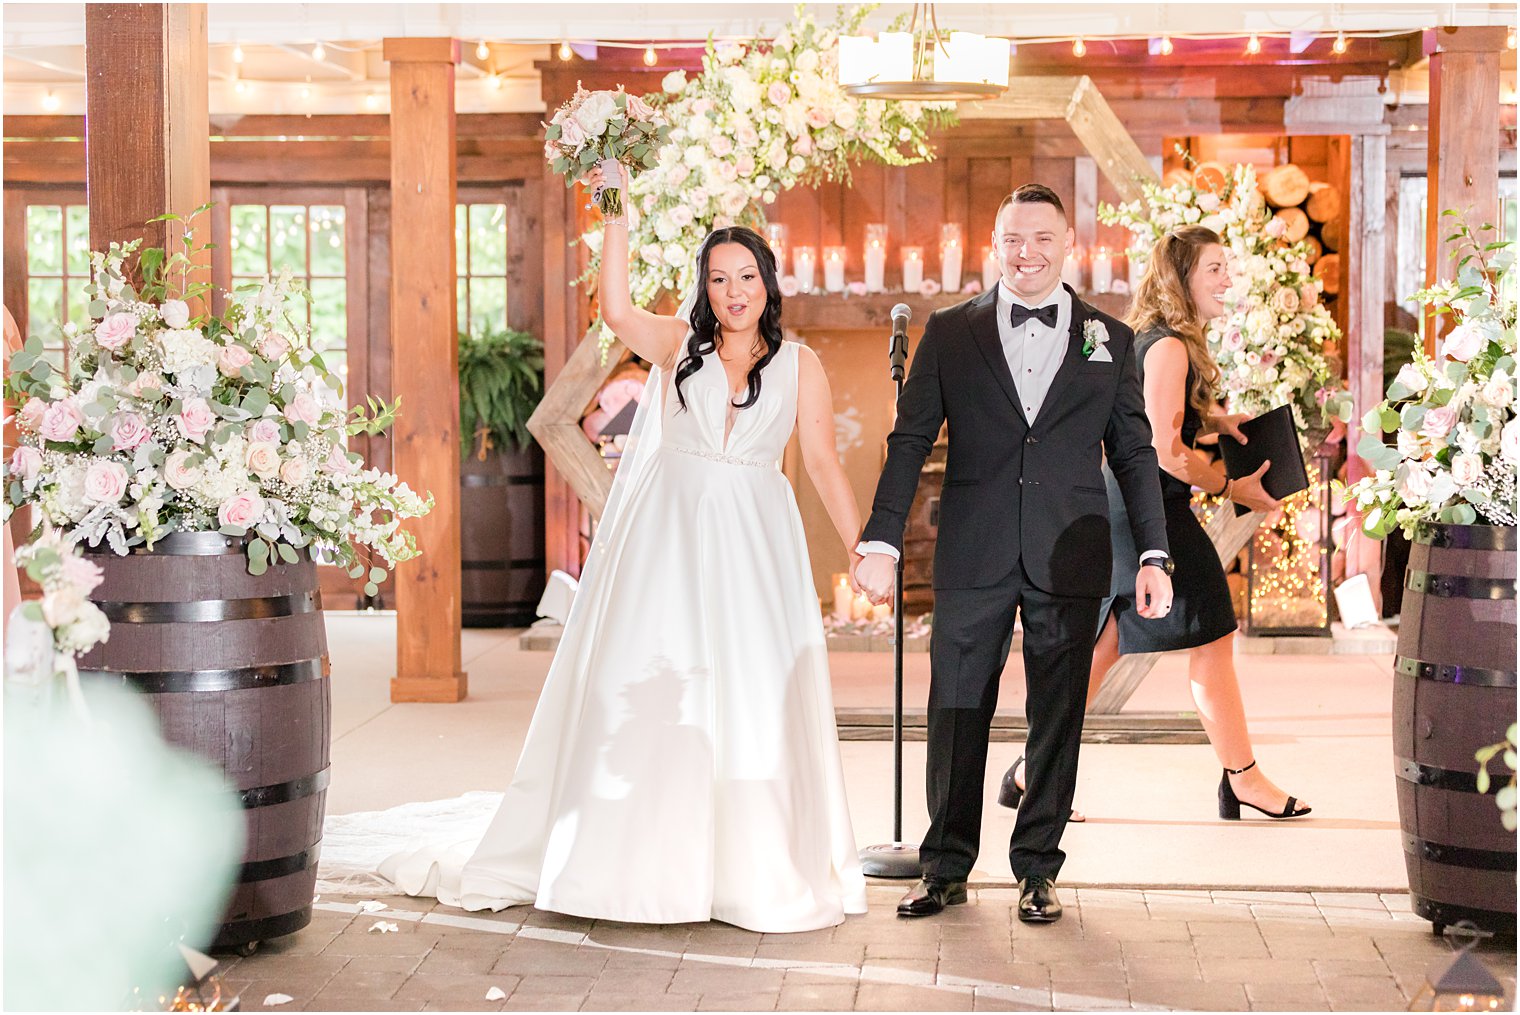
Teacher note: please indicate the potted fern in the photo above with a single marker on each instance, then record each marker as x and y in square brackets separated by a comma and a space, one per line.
[501, 378]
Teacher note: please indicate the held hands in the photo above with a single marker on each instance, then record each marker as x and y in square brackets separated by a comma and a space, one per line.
[1248, 491]
[1153, 592]
[874, 574]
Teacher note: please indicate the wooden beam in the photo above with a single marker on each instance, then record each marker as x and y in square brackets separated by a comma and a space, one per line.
[425, 374]
[147, 140]
[1463, 166]
[1119, 159]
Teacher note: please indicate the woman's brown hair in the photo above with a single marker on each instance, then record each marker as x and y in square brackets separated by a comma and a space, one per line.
[1163, 298]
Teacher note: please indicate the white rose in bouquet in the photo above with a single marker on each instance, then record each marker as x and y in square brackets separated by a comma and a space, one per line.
[594, 113]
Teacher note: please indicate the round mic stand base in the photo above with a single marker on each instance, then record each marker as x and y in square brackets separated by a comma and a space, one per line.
[891, 860]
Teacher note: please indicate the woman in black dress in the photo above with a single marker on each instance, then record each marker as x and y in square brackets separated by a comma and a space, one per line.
[1182, 289]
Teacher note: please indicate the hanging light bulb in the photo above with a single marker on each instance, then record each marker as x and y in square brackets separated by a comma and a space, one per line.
[306, 89]
[50, 101]
[1079, 48]
[319, 52]
[372, 100]
[1253, 46]
[649, 57]
[1165, 46]
[237, 53]
[1509, 40]
[241, 87]
[1340, 45]
[482, 51]
[564, 50]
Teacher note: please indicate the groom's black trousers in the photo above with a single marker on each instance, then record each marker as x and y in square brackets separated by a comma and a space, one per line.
[973, 629]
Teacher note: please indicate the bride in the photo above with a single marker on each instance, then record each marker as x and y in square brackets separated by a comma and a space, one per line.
[682, 764]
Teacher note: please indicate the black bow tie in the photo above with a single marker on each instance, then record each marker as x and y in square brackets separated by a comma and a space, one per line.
[1045, 315]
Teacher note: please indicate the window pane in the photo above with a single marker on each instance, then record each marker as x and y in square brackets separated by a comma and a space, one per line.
[327, 255]
[488, 239]
[44, 308]
[78, 302]
[329, 314]
[79, 239]
[488, 304]
[250, 241]
[287, 245]
[44, 239]
[461, 251]
[462, 302]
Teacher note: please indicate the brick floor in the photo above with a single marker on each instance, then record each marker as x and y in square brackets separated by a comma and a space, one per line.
[1115, 949]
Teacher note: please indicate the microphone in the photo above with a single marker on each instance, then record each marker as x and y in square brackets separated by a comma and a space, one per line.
[899, 347]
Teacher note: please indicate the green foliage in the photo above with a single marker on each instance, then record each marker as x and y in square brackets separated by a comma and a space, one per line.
[501, 379]
[1506, 796]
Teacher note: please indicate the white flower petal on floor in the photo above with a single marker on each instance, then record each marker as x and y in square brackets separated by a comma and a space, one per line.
[496, 994]
[384, 927]
[277, 999]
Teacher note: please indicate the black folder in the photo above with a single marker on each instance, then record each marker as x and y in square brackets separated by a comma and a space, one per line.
[1272, 435]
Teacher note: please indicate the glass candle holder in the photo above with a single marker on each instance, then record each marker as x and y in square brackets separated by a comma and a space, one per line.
[876, 257]
[991, 270]
[775, 235]
[1102, 270]
[952, 253]
[804, 268]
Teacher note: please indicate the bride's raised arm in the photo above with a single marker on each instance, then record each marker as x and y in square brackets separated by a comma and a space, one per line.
[652, 337]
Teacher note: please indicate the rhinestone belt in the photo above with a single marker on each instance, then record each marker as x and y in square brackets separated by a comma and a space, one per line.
[716, 456]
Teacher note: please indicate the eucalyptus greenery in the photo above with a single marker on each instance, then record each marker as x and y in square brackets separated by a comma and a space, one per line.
[501, 379]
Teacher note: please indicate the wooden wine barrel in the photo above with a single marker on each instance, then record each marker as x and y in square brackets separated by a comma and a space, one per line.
[1324, 202]
[1454, 692]
[501, 534]
[1295, 224]
[1328, 270]
[1285, 186]
[236, 667]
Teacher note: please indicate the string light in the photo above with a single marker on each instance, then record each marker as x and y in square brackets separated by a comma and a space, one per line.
[1509, 39]
[50, 101]
[482, 51]
[306, 89]
[564, 50]
[1079, 48]
[1165, 47]
[319, 52]
[241, 87]
[495, 82]
[1254, 45]
[237, 53]
[372, 100]
[1340, 45]
[649, 57]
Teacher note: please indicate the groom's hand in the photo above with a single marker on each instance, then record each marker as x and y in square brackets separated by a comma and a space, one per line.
[1153, 592]
[874, 575]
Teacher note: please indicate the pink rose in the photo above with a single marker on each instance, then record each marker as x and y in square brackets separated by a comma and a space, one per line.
[266, 431]
[338, 462]
[293, 471]
[263, 460]
[105, 482]
[26, 462]
[179, 473]
[32, 413]
[61, 421]
[1235, 341]
[803, 146]
[778, 93]
[788, 286]
[572, 133]
[115, 331]
[745, 164]
[1438, 422]
[1308, 296]
[1285, 300]
[1415, 486]
[1464, 342]
[722, 145]
[304, 408]
[195, 420]
[638, 109]
[1276, 227]
[678, 174]
[273, 345]
[231, 359]
[83, 574]
[241, 510]
[145, 382]
[818, 118]
[1466, 469]
[1299, 267]
[701, 106]
[128, 431]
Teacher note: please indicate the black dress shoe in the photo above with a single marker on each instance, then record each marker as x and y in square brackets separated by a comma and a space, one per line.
[1037, 900]
[930, 896]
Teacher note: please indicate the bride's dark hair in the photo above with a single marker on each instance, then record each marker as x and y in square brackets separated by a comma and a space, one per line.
[704, 323]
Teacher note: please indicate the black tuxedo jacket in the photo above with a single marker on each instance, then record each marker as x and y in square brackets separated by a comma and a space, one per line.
[1015, 492]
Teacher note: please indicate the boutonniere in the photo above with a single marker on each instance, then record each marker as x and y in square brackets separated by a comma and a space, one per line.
[1095, 342]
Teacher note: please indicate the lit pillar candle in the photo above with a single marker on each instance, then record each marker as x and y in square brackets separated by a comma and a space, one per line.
[775, 235]
[881, 611]
[1071, 271]
[876, 258]
[844, 597]
[860, 608]
[991, 270]
[913, 268]
[803, 266]
[833, 269]
[1102, 271]
[1136, 268]
[951, 254]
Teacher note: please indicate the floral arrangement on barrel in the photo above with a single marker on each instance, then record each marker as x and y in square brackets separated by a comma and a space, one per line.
[168, 421]
[1270, 344]
[1456, 452]
[760, 118]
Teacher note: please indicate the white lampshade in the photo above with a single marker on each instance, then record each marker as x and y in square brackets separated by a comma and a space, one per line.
[995, 65]
[857, 59]
[959, 58]
[894, 56]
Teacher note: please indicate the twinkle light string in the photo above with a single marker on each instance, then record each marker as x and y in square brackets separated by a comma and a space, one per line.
[1286, 583]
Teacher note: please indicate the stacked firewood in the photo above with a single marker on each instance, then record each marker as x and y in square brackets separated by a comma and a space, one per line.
[1311, 212]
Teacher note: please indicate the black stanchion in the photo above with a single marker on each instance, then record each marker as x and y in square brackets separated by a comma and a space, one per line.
[896, 859]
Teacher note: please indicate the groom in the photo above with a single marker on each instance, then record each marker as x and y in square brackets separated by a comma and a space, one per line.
[1037, 387]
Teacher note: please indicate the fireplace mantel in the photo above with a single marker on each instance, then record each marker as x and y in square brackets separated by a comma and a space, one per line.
[873, 312]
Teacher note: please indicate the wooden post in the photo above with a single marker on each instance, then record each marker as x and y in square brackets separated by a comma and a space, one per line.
[147, 131]
[425, 376]
[1463, 168]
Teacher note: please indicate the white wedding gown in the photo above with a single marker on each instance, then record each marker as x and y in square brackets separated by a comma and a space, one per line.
[682, 764]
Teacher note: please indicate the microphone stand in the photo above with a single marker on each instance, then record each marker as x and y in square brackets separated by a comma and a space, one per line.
[895, 859]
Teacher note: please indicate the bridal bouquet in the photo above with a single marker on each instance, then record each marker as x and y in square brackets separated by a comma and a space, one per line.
[67, 579]
[1456, 456]
[168, 422]
[596, 127]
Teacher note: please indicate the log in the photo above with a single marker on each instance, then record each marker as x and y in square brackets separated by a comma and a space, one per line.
[1324, 202]
[1312, 250]
[1285, 186]
[1295, 222]
[1211, 176]
[1175, 177]
[1331, 233]
[1328, 270]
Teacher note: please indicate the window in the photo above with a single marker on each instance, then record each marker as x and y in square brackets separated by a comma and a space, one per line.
[309, 240]
[57, 268]
[480, 250]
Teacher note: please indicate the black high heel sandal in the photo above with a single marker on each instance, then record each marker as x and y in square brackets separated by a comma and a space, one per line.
[1011, 794]
[1229, 803]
